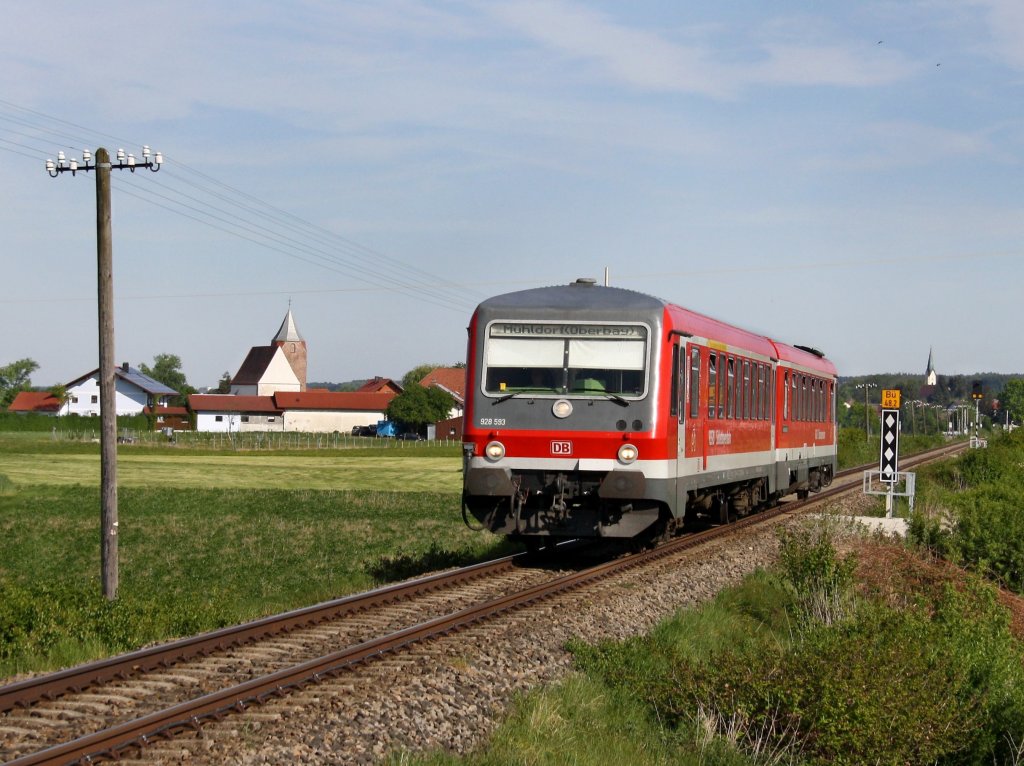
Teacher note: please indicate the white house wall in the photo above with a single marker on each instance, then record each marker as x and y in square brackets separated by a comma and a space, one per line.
[328, 421]
[129, 399]
[235, 422]
[279, 376]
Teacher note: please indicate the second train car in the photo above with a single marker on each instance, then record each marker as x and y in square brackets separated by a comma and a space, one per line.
[597, 411]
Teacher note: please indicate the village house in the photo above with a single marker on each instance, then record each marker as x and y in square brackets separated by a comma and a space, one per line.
[134, 393]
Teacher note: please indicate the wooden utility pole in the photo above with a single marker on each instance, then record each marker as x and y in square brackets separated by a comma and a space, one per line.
[108, 383]
[105, 302]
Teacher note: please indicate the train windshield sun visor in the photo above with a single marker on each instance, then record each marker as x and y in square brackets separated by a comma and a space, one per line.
[600, 361]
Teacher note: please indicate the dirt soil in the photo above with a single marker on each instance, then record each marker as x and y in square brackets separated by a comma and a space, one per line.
[893, 572]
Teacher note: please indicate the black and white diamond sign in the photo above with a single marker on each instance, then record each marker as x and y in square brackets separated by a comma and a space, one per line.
[889, 464]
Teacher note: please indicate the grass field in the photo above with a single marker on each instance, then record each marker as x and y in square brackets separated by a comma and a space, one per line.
[168, 468]
[209, 539]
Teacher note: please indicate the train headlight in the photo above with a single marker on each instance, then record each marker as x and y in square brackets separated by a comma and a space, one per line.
[628, 453]
[562, 408]
[494, 451]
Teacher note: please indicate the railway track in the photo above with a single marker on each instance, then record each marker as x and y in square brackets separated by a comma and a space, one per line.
[114, 708]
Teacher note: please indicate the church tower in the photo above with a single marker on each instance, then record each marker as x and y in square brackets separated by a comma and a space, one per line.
[931, 378]
[294, 347]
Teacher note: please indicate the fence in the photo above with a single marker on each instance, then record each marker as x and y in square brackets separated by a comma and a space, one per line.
[250, 440]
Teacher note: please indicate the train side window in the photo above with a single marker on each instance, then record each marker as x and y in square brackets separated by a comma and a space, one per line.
[771, 393]
[746, 390]
[759, 382]
[712, 384]
[766, 409]
[804, 398]
[831, 402]
[755, 392]
[723, 393]
[730, 397]
[673, 405]
[821, 401]
[694, 382]
[796, 396]
[785, 395]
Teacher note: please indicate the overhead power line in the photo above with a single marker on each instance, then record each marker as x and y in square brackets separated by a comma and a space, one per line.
[197, 196]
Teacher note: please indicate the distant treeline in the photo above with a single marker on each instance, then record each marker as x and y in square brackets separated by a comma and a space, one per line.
[351, 385]
[948, 389]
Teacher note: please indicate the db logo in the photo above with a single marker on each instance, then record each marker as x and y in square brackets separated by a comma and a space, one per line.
[561, 448]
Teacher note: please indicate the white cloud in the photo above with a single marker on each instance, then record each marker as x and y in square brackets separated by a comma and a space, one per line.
[1005, 19]
[650, 60]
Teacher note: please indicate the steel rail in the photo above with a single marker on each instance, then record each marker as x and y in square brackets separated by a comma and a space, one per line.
[25, 693]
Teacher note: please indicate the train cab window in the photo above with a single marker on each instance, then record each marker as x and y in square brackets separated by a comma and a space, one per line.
[694, 382]
[712, 384]
[541, 359]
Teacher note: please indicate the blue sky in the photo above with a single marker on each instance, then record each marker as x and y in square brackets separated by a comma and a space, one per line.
[842, 175]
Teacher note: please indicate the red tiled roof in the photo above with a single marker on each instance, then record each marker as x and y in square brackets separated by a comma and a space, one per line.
[334, 400]
[229, 403]
[451, 379]
[173, 411]
[379, 384]
[34, 401]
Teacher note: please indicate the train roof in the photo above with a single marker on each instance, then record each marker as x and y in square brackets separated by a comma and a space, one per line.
[586, 299]
[581, 295]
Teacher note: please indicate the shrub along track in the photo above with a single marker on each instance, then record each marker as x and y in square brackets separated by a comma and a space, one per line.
[278, 666]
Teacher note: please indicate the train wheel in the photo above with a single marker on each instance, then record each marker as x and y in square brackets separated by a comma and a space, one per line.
[533, 544]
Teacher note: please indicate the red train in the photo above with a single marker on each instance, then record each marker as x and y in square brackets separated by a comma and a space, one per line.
[602, 412]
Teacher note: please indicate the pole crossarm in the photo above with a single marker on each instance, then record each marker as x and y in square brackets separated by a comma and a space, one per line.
[63, 164]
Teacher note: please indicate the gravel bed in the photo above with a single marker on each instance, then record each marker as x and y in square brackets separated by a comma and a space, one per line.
[451, 693]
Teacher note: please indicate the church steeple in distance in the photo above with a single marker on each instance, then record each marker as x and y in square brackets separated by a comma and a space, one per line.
[293, 344]
[931, 378]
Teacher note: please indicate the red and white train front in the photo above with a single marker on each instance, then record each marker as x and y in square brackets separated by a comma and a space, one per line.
[594, 411]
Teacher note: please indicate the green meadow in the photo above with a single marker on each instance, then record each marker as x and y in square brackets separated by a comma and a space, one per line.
[208, 539]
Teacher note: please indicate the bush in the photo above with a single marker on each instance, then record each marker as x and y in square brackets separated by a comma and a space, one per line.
[981, 525]
[821, 581]
[941, 681]
[70, 621]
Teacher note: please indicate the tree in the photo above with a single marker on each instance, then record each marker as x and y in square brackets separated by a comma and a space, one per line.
[14, 378]
[167, 369]
[417, 406]
[224, 386]
[418, 373]
[1012, 398]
